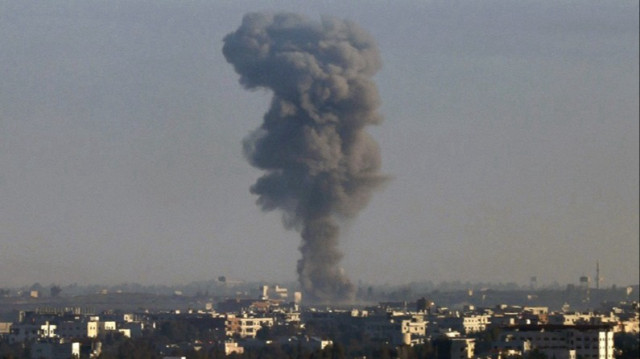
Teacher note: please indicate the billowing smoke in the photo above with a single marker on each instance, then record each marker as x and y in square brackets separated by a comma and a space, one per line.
[320, 166]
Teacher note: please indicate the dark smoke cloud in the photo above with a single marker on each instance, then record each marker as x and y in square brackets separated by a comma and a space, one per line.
[320, 164]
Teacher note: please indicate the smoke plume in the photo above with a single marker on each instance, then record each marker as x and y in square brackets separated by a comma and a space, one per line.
[320, 165]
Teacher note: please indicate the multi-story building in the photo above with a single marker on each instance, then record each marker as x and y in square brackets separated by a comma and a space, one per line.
[582, 318]
[72, 329]
[84, 329]
[384, 329]
[535, 315]
[22, 332]
[465, 324]
[414, 329]
[462, 348]
[562, 341]
[509, 346]
[395, 328]
[245, 326]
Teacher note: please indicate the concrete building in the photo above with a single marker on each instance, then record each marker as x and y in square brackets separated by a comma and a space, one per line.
[245, 326]
[306, 342]
[509, 346]
[631, 325]
[465, 324]
[5, 328]
[563, 341]
[383, 329]
[72, 330]
[414, 330]
[462, 348]
[105, 327]
[78, 329]
[55, 350]
[132, 329]
[232, 347]
[535, 315]
[93, 329]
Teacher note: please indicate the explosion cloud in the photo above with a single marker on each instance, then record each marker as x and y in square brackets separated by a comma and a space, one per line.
[320, 165]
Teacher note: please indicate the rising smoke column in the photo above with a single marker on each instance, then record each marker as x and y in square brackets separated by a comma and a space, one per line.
[320, 165]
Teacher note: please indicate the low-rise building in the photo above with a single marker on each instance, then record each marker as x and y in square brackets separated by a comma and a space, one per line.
[232, 347]
[5, 328]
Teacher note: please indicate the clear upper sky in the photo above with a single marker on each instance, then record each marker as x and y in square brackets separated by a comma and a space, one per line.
[510, 133]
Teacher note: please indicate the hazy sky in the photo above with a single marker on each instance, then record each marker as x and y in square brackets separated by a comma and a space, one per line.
[510, 132]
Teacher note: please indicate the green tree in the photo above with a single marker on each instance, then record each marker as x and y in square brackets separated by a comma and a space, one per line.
[264, 333]
[536, 354]
[626, 345]
[55, 290]
[337, 351]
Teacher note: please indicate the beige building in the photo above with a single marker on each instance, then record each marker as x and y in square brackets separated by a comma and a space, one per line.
[245, 327]
[231, 347]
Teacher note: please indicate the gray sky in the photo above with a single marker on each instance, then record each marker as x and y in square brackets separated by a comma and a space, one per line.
[510, 132]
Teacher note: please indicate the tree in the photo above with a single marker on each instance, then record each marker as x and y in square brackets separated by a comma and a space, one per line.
[627, 345]
[536, 354]
[264, 333]
[337, 351]
[55, 290]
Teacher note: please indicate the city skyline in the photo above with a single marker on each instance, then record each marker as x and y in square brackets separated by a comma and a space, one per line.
[510, 135]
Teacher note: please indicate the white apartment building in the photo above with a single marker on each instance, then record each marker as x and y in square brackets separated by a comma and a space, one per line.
[475, 323]
[416, 325]
[563, 341]
[466, 324]
[414, 329]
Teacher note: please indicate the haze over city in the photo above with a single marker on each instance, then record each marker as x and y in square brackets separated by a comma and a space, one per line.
[510, 139]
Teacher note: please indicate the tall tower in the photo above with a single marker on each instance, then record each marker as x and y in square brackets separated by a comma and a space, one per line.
[597, 274]
[585, 284]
